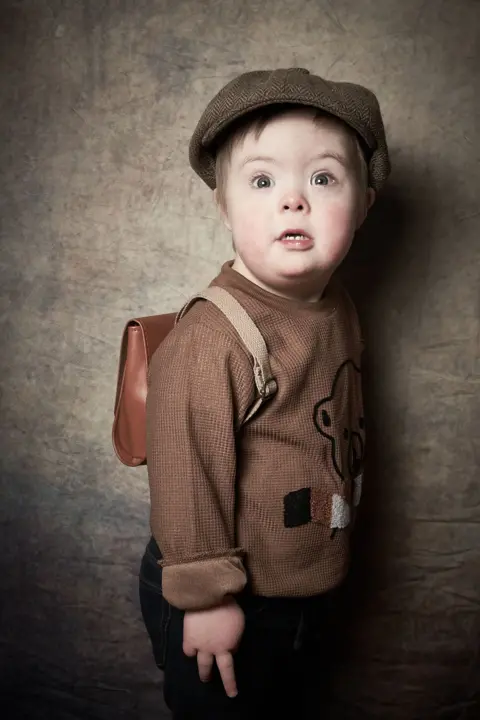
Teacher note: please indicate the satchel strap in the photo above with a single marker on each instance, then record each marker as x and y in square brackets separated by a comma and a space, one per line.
[250, 336]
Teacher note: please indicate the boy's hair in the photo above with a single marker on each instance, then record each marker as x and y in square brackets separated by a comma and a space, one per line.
[257, 121]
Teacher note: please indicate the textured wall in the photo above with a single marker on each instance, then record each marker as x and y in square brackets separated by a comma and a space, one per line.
[102, 219]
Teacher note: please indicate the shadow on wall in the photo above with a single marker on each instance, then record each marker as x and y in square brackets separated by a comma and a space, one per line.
[377, 275]
[386, 273]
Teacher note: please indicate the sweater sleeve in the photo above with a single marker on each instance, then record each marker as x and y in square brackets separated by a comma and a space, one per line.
[200, 386]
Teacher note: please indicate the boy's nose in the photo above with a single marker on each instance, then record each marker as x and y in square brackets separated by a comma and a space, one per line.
[295, 202]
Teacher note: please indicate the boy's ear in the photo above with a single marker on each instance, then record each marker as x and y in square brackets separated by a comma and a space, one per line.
[370, 197]
[222, 209]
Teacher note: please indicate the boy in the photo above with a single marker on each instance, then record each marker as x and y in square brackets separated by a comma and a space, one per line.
[251, 523]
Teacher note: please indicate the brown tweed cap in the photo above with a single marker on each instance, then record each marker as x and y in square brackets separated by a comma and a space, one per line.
[354, 104]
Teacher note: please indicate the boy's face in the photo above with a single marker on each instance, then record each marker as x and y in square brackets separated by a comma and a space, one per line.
[298, 176]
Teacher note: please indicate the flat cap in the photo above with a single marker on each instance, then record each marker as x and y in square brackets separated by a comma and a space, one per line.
[354, 104]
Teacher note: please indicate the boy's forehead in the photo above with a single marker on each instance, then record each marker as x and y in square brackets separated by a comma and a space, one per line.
[297, 132]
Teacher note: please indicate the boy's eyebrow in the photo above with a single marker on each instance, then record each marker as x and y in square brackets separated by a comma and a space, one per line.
[321, 156]
[258, 158]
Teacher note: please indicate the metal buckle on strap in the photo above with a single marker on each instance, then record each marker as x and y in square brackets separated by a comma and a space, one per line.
[265, 387]
[271, 388]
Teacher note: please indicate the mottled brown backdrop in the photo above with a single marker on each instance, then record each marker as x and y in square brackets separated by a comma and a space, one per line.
[102, 219]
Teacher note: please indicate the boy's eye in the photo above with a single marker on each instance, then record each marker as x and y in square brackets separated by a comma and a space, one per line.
[261, 181]
[321, 178]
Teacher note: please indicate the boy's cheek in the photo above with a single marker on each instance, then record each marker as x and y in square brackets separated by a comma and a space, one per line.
[248, 226]
[340, 221]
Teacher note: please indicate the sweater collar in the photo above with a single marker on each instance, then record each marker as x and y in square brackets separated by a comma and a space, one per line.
[230, 278]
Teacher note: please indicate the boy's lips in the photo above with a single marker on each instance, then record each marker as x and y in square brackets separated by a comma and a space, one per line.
[296, 239]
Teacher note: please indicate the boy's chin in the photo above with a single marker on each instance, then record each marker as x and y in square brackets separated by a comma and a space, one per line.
[301, 273]
[299, 281]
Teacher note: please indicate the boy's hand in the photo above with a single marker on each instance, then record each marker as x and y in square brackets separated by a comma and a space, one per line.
[215, 634]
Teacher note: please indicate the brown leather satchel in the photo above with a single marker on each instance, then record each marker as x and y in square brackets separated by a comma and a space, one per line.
[141, 337]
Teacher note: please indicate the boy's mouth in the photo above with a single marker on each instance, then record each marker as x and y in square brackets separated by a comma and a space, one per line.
[296, 239]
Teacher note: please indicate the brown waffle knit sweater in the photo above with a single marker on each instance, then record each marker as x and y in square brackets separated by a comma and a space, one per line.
[269, 503]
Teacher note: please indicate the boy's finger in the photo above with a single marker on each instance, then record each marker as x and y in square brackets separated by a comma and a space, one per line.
[227, 673]
[205, 664]
[189, 650]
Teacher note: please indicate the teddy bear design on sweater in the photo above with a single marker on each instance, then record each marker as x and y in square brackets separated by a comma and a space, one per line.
[346, 440]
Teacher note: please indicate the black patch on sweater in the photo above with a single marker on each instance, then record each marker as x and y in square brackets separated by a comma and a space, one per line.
[296, 508]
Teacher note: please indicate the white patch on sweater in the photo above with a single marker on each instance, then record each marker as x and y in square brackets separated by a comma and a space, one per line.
[341, 513]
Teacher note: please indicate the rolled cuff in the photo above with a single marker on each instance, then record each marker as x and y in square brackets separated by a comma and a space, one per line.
[204, 583]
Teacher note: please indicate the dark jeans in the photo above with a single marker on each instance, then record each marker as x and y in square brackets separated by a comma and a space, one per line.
[282, 665]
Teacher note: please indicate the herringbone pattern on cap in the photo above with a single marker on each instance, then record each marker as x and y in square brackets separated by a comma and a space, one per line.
[354, 104]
